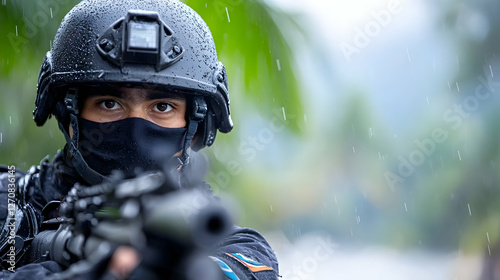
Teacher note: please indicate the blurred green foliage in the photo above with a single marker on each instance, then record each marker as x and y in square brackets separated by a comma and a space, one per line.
[27, 28]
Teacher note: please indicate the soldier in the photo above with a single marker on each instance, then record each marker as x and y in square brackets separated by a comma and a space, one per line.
[131, 83]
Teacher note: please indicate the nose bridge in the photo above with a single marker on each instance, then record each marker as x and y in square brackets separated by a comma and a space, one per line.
[137, 112]
[135, 103]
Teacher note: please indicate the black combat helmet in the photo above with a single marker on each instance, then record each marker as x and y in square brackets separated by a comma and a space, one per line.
[162, 44]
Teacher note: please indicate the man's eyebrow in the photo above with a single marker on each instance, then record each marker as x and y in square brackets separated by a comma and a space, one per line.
[120, 93]
[164, 94]
[103, 91]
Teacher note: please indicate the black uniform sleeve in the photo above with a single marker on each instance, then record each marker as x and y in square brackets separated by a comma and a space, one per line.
[30, 271]
[246, 254]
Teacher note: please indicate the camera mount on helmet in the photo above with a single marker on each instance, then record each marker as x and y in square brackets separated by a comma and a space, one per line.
[140, 37]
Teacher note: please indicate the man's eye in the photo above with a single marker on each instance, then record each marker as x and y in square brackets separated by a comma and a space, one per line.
[162, 107]
[110, 104]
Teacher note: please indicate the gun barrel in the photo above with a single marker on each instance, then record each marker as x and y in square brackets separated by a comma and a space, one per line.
[189, 217]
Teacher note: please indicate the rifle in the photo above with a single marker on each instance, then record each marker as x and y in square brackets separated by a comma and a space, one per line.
[171, 228]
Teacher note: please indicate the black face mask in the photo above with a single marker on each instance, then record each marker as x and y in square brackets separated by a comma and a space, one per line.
[128, 145]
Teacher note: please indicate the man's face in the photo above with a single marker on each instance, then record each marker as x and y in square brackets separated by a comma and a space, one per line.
[163, 109]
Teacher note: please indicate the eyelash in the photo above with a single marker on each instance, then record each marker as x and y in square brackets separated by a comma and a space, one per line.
[101, 104]
[155, 106]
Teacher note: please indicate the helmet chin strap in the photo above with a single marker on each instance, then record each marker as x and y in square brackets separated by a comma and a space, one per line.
[88, 174]
[82, 168]
[199, 111]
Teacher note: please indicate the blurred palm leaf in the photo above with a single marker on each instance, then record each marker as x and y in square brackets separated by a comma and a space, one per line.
[256, 52]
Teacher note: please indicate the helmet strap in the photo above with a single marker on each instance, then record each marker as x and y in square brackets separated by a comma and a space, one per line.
[198, 113]
[82, 168]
